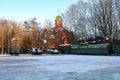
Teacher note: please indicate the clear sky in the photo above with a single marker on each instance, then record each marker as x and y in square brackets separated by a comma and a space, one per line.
[22, 10]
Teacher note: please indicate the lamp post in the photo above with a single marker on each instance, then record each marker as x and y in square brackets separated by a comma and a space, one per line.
[107, 39]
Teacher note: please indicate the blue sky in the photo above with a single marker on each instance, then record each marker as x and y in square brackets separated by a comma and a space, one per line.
[21, 10]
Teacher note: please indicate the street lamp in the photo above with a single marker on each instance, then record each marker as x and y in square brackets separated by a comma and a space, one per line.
[107, 39]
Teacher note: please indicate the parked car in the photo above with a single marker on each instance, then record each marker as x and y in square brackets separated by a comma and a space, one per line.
[55, 51]
[34, 51]
[52, 51]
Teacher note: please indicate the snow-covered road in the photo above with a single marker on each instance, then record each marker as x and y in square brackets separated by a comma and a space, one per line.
[59, 67]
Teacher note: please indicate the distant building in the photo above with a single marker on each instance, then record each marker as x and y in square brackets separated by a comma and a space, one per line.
[53, 37]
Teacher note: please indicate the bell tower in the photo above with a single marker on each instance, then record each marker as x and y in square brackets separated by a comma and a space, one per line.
[58, 21]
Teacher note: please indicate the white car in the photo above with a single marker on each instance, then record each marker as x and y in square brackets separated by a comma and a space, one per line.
[52, 51]
[35, 51]
[55, 51]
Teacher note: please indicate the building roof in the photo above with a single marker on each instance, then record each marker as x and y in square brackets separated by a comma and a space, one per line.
[59, 17]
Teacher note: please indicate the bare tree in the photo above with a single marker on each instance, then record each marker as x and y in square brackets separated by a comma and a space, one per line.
[75, 19]
[31, 32]
[116, 36]
[2, 35]
[103, 18]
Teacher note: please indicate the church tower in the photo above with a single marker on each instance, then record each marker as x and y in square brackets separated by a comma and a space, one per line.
[58, 22]
[57, 35]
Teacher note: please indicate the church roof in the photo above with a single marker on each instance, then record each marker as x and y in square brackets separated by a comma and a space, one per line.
[58, 17]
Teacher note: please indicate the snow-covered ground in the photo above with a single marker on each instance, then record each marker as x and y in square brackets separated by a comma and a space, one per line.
[59, 67]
